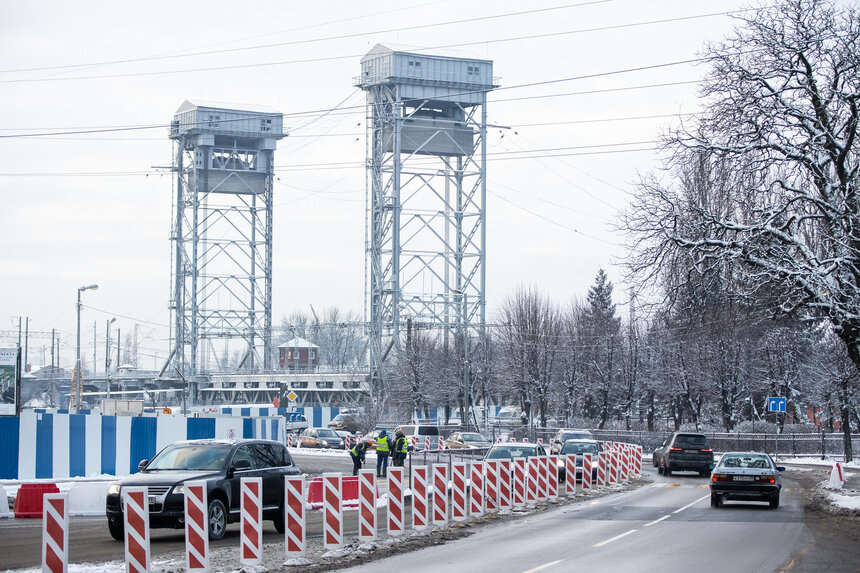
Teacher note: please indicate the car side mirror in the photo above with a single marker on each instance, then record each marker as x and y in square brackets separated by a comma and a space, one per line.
[780, 468]
[142, 465]
[239, 465]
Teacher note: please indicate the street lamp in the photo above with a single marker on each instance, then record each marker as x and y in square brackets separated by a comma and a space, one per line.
[467, 390]
[78, 373]
[107, 354]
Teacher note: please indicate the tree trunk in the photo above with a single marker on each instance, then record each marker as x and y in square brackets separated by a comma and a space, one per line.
[849, 332]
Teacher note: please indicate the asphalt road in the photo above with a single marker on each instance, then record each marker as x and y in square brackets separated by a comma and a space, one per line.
[666, 526]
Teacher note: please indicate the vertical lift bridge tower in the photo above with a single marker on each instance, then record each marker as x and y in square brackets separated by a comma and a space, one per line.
[427, 124]
[221, 267]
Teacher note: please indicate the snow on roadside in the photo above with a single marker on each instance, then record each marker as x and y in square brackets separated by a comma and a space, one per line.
[846, 501]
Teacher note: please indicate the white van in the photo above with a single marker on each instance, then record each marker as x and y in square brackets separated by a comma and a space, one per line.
[420, 433]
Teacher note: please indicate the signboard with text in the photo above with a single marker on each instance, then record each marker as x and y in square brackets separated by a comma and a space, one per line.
[10, 381]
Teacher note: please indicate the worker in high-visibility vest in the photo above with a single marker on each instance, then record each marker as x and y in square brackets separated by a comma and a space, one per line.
[357, 454]
[383, 449]
[401, 447]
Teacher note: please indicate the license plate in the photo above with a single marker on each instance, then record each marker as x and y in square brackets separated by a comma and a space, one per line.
[691, 451]
[744, 478]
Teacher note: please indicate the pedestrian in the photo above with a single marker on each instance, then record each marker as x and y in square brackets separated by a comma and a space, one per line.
[357, 454]
[401, 446]
[383, 448]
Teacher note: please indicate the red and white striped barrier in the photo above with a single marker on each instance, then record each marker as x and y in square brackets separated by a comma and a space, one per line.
[526, 440]
[458, 492]
[441, 443]
[543, 478]
[512, 440]
[532, 482]
[420, 517]
[427, 443]
[602, 460]
[332, 511]
[136, 520]
[196, 526]
[499, 440]
[367, 505]
[553, 477]
[625, 463]
[395, 501]
[586, 472]
[519, 490]
[612, 470]
[570, 474]
[476, 492]
[440, 494]
[251, 517]
[505, 485]
[291, 440]
[295, 539]
[637, 464]
[492, 484]
[55, 532]
[540, 441]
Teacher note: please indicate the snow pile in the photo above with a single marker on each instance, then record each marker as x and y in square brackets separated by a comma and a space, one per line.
[4, 504]
[837, 477]
[846, 501]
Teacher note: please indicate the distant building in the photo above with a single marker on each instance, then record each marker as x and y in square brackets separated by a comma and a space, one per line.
[298, 355]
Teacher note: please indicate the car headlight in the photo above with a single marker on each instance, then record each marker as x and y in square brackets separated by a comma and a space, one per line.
[560, 463]
[325, 442]
[114, 489]
[180, 489]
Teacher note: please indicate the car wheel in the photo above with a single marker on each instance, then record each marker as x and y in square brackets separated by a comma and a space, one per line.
[660, 470]
[774, 502]
[716, 500]
[116, 528]
[667, 471]
[217, 519]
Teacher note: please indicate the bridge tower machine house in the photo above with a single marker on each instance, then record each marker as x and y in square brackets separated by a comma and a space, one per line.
[221, 267]
[426, 158]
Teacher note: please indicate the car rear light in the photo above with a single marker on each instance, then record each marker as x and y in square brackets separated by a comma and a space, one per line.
[674, 449]
[707, 450]
[768, 479]
[719, 477]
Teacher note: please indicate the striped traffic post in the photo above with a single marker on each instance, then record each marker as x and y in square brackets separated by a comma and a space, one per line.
[441, 443]
[570, 474]
[440, 494]
[601, 461]
[251, 517]
[476, 491]
[367, 505]
[612, 474]
[586, 472]
[532, 485]
[624, 465]
[512, 440]
[637, 464]
[419, 498]
[196, 526]
[519, 493]
[136, 521]
[492, 485]
[295, 539]
[505, 485]
[458, 492]
[427, 443]
[332, 511]
[55, 532]
[543, 478]
[395, 501]
[553, 477]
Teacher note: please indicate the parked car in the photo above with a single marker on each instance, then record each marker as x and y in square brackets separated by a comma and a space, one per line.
[579, 447]
[345, 421]
[566, 434]
[513, 450]
[467, 440]
[222, 463]
[746, 476]
[320, 438]
[509, 416]
[420, 433]
[684, 451]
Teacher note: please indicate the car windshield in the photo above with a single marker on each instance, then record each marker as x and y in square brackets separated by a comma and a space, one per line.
[428, 431]
[690, 441]
[474, 438]
[210, 457]
[510, 452]
[579, 448]
[326, 433]
[745, 461]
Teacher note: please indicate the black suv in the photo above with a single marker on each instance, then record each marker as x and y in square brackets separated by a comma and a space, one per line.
[685, 451]
[222, 463]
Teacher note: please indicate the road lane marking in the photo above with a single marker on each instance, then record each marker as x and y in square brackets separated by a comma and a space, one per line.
[691, 504]
[544, 566]
[657, 520]
[674, 485]
[616, 538]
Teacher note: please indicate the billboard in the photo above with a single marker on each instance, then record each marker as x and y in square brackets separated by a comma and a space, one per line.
[10, 381]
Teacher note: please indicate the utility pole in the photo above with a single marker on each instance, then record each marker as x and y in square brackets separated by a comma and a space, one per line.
[53, 335]
[107, 355]
[95, 345]
[25, 366]
[118, 344]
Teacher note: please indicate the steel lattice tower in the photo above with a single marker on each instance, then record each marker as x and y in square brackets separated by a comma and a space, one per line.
[221, 267]
[426, 240]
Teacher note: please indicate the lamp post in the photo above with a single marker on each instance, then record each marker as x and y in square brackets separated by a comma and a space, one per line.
[78, 373]
[467, 391]
[107, 354]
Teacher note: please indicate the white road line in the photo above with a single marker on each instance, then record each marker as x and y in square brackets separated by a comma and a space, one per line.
[657, 520]
[544, 566]
[616, 538]
[692, 504]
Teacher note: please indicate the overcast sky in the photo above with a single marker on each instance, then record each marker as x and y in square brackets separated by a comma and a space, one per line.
[79, 209]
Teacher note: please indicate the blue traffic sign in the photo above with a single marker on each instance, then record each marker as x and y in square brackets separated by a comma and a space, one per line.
[776, 404]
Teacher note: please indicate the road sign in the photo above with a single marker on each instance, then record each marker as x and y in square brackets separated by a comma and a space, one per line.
[292, 396]
[776, 404]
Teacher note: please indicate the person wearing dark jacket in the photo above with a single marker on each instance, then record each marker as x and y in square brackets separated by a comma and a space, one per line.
[383, 449]
[401, 447]
[357, 454]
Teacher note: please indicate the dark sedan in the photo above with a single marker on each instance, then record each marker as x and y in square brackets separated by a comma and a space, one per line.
[746, 476]
[578, 448]
[222, 463]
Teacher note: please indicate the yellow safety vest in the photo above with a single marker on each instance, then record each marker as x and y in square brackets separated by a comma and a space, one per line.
[382, 444]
